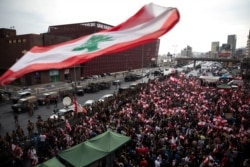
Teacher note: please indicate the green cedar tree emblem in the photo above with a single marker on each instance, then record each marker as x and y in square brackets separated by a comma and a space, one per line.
[92, 43]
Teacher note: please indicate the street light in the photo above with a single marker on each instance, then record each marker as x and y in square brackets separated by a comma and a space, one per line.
[175, 46]
[75, 73]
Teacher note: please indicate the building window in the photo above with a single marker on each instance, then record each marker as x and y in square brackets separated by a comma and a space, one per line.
[10, 41]
[24, 40]
[53, 72]
[66, 74]
[19, 41]
[14, 41]
[54, 75]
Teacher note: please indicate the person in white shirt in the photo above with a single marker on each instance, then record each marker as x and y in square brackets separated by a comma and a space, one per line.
[158, 162]
[42, 140]
[33, 156]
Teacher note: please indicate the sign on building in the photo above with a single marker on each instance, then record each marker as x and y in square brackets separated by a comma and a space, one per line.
[225, 51]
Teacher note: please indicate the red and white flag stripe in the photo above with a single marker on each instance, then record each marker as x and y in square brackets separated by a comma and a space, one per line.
[148, 24]
[78, 108]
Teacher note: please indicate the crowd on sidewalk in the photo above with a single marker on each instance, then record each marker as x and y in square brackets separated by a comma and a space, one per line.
[172, 121]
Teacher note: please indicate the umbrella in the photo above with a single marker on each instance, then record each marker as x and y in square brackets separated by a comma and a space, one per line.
[224, 86]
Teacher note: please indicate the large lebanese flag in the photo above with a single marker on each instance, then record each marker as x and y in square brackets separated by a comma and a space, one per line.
[149, 23]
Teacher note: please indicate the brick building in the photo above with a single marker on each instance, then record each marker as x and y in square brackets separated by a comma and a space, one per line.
[13, 46]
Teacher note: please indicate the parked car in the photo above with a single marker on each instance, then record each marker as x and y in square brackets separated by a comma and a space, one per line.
[79, 90]
[117, 82]
[158, 73]
[20, 95]
[133, 85]
[132, 77]
[40, 90]
[104, 97]
[88, 103]
[24, 89]
[103, 74]
[65, 91]
[23, 104]
[95, 76]
[91, 88]
[123, 89]
[63, 113]
[104, 85]
[168, 71]
[4, 95]
[51, 97]
[49, 86]
[86, 78]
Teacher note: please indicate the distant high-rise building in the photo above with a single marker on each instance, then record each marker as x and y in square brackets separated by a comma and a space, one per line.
[215, 46]
[248, 45]
[187, 52]
[231, 39]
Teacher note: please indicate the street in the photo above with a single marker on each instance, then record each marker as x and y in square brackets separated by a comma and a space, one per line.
[7, 116]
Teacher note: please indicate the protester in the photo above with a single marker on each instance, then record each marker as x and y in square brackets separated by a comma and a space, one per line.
[16, 118]
[33, 156]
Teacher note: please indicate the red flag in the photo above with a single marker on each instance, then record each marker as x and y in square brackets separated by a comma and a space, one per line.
[17, 151]
[75, 104]
[67, 124]
[78, 107]
[148, 24]
[173, 79]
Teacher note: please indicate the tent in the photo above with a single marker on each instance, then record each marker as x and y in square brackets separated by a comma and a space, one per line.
[94, 149]
[108, 141]
[51, 163]
[224, 86]
[81, 155]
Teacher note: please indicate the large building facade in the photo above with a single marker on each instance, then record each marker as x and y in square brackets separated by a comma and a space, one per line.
[248, 45]
[14, 46]
[215, 47]
[231, 40]
[187, 52]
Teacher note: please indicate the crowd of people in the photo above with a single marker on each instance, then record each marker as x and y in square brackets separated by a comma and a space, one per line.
[172, 121]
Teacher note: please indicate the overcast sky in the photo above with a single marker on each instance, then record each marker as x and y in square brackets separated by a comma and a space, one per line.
[201, 22]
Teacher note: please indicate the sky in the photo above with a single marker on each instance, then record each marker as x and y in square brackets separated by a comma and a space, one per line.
[201, 21]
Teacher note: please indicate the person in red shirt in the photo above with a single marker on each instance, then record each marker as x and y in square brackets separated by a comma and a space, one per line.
[143, 162]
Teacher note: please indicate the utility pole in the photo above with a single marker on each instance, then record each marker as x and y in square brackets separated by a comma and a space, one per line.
[175, 46]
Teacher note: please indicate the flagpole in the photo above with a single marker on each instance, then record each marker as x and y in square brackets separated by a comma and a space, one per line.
[175, 46]
[75, 74]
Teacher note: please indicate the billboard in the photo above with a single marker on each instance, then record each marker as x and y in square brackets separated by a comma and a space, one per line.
[225, 50]
[225, 54]
[226, 47]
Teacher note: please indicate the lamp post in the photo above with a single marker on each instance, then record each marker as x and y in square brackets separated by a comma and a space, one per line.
[75, 74]
[175, 46]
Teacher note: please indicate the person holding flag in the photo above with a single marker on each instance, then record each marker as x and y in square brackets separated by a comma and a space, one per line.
[78, 108]
[17, 152]
[33, 156]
